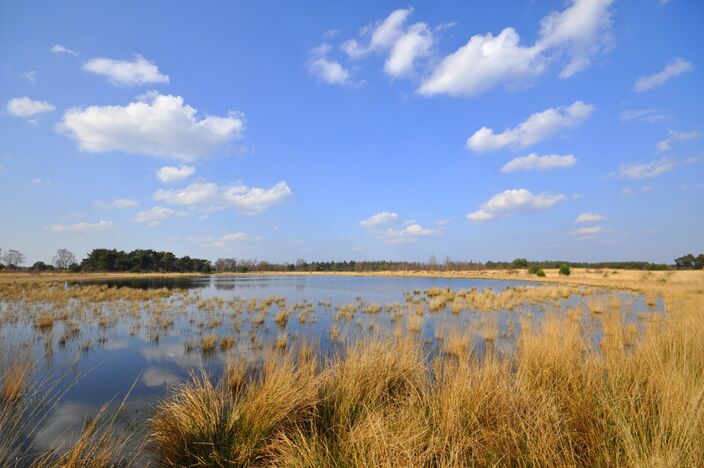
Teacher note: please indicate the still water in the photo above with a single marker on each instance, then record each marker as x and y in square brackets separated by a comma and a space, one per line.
[143, 350]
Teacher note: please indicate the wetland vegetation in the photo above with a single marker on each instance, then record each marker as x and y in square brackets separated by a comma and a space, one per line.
[598, 367]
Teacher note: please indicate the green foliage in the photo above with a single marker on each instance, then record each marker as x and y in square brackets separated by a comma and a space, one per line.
[141, 261]
[565, 269]
[534, 269]
[540, 273]
[690, 262]
[520, 263]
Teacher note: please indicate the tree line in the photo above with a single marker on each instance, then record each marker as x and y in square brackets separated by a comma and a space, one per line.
[140, 260]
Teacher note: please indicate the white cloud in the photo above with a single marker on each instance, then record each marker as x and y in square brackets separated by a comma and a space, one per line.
[383, 225]
[59, 49]
[405, 45]
[638, 171]
[253, 200]
[325, 69]
[483, 63]
[514, 201]
[536, 128]
[171, 174]
[119, 203]
[209, 196]
[384, 218]
[580, 32]
[416, 43]
[382, 35]
[137, 72]
[535, 162]
[589, 218]
[665, 145]
[26, 107]
[649, 115]
[234, 238]
[154, 216]
[588, 231]
[671, 70]
[409, 234]
[162, 126]
[86, 228]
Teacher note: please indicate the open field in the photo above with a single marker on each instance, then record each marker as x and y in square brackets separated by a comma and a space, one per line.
[598, 368]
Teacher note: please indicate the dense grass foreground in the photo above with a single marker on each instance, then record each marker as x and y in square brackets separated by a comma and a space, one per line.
[557, 401]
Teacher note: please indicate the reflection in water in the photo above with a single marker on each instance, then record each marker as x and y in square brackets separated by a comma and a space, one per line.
[154, 342]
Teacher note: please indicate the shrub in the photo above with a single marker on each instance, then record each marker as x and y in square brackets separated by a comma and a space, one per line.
[565, 270]
[534, 269]
[540, 273]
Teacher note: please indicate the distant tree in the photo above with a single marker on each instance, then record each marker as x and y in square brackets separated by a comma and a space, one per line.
[433, 262]
[699, 262]
[64, 259]
[13, 258]
[565, 269]
[686, 262]
[520, 263]
[39, 266]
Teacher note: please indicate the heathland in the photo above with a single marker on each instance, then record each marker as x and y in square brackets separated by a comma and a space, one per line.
[598, 367]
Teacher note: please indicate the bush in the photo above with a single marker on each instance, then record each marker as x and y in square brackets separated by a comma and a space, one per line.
[565, 270]
[540, 273]
[534, 269]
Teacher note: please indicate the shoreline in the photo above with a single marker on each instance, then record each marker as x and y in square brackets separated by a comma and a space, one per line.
[637, 280]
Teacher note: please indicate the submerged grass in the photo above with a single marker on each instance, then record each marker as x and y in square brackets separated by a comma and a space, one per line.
[558, 400]
[633, 398]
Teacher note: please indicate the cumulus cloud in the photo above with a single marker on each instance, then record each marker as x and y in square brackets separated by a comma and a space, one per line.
[85, 228]
[404, 44]
[483, 63]
[580, 32]
[326, 69]
[536, 128]
[136, 72]
[588, 218]
[542, 163]
[387, 227]
[171, 174]
[675, 68]
[59, 49]
[384, 218]
[416, 43]
[209, 196]
[26, 107]
[638, 171]
[154, 216]
[666, 144]
[157, 377]
[119, 203]
[513, 201]
[160, 126]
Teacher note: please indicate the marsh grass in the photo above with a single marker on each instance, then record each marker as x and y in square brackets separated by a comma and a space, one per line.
[558, 400]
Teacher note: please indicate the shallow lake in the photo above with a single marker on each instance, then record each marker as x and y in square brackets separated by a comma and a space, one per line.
[146, 347]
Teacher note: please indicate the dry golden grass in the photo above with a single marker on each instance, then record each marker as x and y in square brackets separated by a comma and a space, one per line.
[559, 400]
[633, 398]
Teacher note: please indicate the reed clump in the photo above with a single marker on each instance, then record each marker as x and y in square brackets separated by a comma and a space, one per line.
[559, 399]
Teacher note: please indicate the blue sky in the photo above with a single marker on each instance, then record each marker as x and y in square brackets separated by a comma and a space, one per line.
[362, 130]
